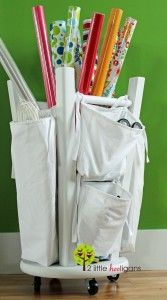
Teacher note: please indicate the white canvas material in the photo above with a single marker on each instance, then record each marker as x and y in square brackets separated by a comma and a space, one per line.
[105, 143]
[102, 210]
[34, 159]
[136, 189]
[43, 111]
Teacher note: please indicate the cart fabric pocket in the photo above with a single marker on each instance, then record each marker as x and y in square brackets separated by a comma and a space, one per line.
[34, 158]
[105, 143]
[102, 211]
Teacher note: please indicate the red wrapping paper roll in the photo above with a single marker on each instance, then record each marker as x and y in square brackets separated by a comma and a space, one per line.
[90, 53]
[45, 56]
[87, 24]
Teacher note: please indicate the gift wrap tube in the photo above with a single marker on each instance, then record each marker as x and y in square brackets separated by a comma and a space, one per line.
[85, 39]
[114, 53]
[71, 36]
[86, 29]
[45, 55]
[86, 25]
[78, 59]
[107, 50]
[57, 40]
[78, 50]
[91, 53]
[116, 64]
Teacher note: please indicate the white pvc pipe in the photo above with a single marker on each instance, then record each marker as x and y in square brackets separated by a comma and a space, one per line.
[65, 85]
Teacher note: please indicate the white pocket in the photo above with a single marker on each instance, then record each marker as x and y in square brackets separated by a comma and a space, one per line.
[105, 143]
[34, 159]
[102, 211]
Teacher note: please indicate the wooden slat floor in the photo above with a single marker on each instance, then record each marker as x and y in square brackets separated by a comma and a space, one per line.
[143, 285]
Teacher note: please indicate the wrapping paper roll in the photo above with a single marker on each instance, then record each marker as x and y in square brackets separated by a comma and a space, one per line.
[57, 39]
[86, 28]
[116, 63]
[85, 35]
[113, 54]
[78, 50]
[107, 50]
[86, 25]
[45, 56]
[78, 58]
[71, 38]
[91, 53]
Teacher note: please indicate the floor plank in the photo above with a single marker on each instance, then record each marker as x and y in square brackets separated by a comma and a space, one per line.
[143, 285]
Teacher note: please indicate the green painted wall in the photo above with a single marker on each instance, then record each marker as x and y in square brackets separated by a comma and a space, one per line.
[147, 57]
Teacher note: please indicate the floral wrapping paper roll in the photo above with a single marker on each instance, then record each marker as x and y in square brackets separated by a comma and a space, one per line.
[57, 40]
[121, 48]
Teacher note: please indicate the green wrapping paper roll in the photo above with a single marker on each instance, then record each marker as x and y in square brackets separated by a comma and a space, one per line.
[57, 40]
[71, 36]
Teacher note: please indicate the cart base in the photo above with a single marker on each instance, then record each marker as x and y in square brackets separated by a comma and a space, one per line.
[101, 269]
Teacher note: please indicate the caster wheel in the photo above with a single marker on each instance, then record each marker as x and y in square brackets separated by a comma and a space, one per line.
[92, 287]
[37, 284]
[113, 278]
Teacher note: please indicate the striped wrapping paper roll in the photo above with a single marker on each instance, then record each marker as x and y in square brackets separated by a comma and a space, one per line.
[71, 38]
[116, 63]
[86, 28]
[57, 40]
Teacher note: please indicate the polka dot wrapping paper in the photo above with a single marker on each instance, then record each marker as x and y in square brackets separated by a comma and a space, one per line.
[57, 40]
[122, 45]
[71, 38]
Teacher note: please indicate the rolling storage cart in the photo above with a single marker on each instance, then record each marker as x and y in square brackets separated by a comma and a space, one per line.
[83, 181]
